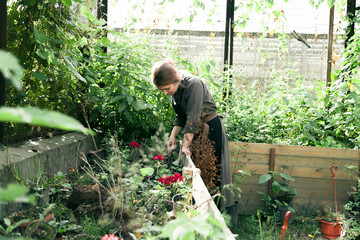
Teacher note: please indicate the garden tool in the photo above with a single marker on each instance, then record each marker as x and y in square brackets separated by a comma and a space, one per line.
[175, 152]
[170, 159]
[285, 226]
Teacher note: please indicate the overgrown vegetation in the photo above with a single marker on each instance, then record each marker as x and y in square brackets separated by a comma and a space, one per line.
[101, 77]
[64, 54]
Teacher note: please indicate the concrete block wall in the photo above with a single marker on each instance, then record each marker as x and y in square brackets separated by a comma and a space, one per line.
[43, 155]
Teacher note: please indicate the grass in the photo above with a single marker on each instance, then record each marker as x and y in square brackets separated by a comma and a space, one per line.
[251, 227]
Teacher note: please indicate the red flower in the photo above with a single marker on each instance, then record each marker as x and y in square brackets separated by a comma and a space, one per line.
[168, 180]
[134, 144]
[159, 157]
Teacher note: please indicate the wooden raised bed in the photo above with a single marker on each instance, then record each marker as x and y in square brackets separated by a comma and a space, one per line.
[204, 202]
[310, 166]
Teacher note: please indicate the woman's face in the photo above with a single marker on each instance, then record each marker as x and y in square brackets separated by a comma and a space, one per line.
[169, 89]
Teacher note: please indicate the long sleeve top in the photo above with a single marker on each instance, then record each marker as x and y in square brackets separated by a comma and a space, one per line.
[190, 100]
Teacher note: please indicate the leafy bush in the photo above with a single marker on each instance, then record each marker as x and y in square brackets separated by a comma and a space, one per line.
[104, 83]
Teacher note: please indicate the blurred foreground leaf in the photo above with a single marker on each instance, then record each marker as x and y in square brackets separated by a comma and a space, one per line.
[45, 118]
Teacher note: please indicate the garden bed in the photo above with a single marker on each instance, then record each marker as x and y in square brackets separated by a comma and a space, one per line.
[127, 196]
[309, 166]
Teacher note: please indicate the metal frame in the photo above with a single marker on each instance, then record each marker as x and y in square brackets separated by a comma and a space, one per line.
[3, 24]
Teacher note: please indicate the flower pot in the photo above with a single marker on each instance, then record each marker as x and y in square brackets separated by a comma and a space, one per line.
[40, 230]
[182, 203]
[330, 230]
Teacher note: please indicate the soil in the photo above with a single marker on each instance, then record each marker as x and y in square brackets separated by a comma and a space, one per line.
[85, 194]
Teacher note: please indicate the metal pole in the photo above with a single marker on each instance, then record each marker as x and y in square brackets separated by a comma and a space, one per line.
[350, 12]
[229, 40]
[330, 47]
[102, 12]
[3, 23]
[229, 34]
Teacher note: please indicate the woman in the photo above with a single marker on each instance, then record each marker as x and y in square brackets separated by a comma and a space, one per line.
[191, 99]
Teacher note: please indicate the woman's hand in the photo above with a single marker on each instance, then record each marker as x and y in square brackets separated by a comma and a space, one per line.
[171, 144]
[186, 151]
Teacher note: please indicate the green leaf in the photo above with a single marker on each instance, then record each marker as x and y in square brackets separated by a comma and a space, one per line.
[264, 178]
[11, 69]
[40, 37]
[13, 191]
[327, 100]
[147, 171]
[20, 222]
[330, 3]
[72, 68]
[354, 96]
[67, 3]
[128, 116]
[86, 13]
[39, 117]
[39, 75]
[116, 98]
[121, 107]
[285, 100]
[93, 117]
[129, 98]
[286, 176]
[139, 104]
[276, 187]
[105, 41]
[284, 188]
[7, 221]
[43, 53]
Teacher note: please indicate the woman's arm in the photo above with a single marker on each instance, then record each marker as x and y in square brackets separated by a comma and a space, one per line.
[186, 143]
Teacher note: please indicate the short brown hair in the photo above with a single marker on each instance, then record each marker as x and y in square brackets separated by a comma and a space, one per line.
[164, 73]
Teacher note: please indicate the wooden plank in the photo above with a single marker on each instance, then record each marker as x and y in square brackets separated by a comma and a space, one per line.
[295, 171]
[254, 158]
[342, 194]
[294, 150]
[315, 161]
[250, 203]
[251, 158]
[299, 183]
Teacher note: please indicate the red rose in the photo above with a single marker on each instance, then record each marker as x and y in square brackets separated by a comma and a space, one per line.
[159, 157]
[134, 144]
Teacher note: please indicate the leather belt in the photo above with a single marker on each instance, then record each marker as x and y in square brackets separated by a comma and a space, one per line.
[210, 117]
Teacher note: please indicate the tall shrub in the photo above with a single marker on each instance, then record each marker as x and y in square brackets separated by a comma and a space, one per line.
[73, 67]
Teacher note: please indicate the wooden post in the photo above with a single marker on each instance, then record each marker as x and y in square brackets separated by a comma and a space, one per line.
[330, 46]
[3, 18]
[271, 168]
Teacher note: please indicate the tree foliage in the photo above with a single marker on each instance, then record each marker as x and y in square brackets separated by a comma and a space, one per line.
[66, 69]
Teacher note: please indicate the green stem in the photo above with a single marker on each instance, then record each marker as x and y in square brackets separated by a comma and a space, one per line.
[261, 235]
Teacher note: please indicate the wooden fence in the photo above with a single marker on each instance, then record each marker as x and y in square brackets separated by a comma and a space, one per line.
[309, 166]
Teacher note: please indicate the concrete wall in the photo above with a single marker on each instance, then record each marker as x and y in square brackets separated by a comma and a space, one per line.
[43, 155]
